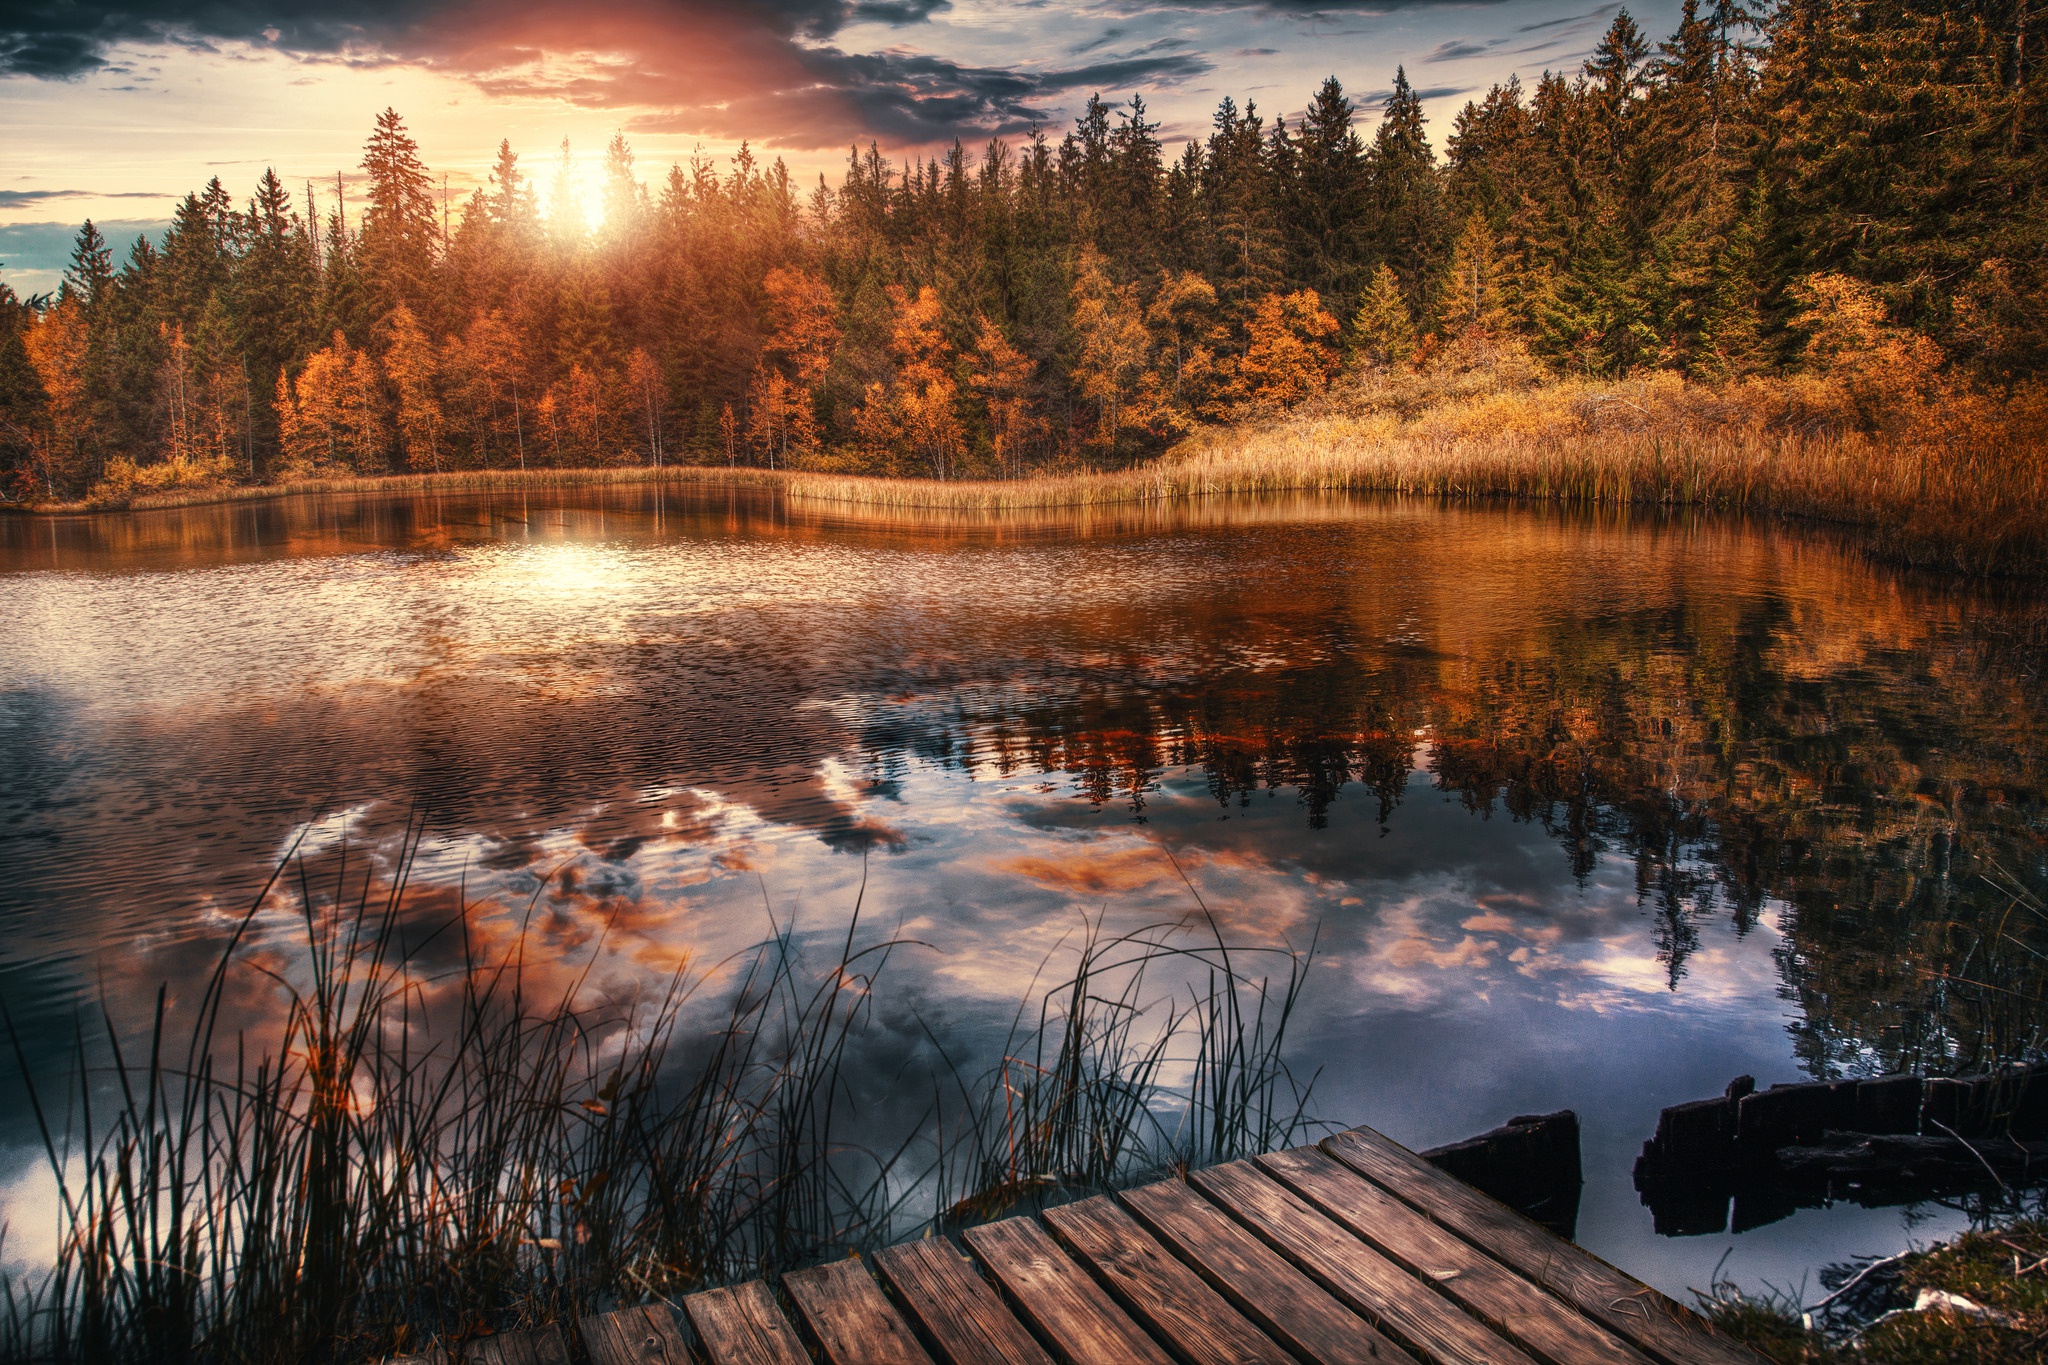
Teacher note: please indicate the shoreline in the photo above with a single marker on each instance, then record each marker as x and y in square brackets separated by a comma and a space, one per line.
[1960, 490]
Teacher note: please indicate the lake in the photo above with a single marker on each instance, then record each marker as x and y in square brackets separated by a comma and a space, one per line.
[1592, 811]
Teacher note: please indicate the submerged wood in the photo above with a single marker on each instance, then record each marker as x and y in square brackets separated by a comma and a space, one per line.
[1753, 1156]
[1530, 1163]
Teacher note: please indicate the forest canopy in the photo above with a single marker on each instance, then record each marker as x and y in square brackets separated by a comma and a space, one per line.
[1690, 205]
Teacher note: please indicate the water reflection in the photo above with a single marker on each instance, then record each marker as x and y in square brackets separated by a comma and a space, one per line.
[1592, 811]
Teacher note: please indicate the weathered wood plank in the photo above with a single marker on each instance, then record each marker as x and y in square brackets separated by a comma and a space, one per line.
[1164, 1294]
[543, 1346]
[1542, 1325]
[743, 1326]
[956, 1307]
[1621, 1302]
[1368, 1282]
[854, 1322]
[647, 1335]
[1292, 1308]
[1058, 1297]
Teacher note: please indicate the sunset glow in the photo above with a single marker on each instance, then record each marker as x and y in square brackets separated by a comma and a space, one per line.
[115, 118]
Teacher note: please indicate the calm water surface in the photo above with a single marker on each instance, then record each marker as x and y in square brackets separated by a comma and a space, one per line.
[1590, 812]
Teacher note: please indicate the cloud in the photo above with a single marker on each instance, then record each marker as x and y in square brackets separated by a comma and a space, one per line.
[20, 199]
[1601, 13]
[1376, 98]
[45, 248]
[761, 68]
[1457, 51]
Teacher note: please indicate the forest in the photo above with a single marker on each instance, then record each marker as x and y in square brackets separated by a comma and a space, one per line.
[1690, 205]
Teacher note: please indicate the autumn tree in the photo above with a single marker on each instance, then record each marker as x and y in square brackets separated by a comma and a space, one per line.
[1005, 379]
[411, 364]
[1470, 298]
[1112, 368]
[337, 423]
[1291, 354]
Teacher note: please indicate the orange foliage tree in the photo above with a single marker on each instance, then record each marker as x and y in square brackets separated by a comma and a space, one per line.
[1291, 352]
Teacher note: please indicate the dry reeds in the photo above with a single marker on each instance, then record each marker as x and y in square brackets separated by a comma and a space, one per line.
[1961, 485]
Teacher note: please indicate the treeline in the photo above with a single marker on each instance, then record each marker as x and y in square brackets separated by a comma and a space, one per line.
[1067, 304]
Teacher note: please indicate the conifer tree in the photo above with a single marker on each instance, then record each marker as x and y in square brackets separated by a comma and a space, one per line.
[400, 231]
[1382, 330]
[1406, 192]
[89, 276]
[1327, 216]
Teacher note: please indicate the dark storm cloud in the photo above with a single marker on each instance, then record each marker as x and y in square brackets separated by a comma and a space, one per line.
[764, 68]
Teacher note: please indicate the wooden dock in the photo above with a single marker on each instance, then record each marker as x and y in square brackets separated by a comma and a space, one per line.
[1356, 1251]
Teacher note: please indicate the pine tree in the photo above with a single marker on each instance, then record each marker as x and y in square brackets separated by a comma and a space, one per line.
[1407, 213]
[401, 230]
[1327, 219]
[90, 275]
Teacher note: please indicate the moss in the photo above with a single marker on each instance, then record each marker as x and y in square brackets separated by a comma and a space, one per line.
[2004, 1269]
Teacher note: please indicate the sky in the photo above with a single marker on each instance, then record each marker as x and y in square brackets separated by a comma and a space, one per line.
[114, 109]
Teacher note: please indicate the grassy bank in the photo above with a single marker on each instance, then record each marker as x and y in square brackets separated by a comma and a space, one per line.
[1956, 482]
[1927, 473]
[419, 1141]
[1979, 1300]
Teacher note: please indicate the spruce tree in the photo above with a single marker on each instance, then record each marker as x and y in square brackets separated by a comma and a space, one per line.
[89, 276]
[1327, 220]
[401, 229]
[1406, 222]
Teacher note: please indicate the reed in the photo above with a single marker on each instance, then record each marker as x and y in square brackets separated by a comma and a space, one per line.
[417, 1160]
[1959, 484]
[1110, 1084]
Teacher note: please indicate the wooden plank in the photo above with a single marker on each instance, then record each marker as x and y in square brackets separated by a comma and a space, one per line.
[1058, 1297]
[956, 1307]
[1164, 1294]
[1631, 1308]
[1293, 1309]
[647, 1335]
[743, 1326]
[1502, 1299]
[854, 1323]
[1405, 1307]
[544, 1346]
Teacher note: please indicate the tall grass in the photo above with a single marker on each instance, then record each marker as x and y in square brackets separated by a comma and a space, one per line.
[1109, 1084]
[1956, 481]
[418, 1157]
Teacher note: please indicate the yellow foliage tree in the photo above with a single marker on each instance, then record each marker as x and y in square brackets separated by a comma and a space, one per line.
[341, 427]
[1003, 376]
[803, 329]
[56, 344]
[1472, 295]
[915, 412]
[1884, 374]
[414, 370]
[1185, 332]
[1113, 367]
